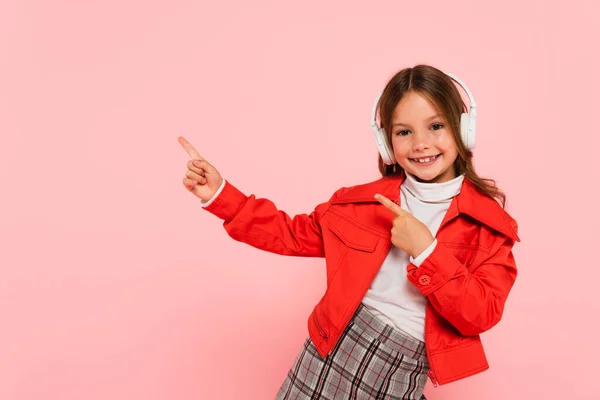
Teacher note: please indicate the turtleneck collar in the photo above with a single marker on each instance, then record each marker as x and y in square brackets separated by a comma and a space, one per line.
[433, 192]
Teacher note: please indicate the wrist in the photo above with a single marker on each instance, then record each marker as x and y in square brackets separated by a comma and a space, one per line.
[422, 246]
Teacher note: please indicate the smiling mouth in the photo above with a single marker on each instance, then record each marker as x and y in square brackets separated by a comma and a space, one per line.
[425, 160]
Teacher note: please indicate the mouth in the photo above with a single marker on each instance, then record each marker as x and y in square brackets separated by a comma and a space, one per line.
[425, 160]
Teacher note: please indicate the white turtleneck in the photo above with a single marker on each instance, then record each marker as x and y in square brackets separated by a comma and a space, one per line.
[391, 297]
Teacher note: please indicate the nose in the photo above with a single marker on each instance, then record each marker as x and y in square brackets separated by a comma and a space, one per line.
[420, 141]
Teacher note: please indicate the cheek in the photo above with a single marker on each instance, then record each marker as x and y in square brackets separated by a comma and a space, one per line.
[401, 151]
[401, 147]
[446, 144]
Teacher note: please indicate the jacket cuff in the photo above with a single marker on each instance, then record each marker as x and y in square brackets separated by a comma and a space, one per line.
[228, 203]
[435, 271]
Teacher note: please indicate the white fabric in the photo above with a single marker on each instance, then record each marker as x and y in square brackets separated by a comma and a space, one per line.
[392, 297]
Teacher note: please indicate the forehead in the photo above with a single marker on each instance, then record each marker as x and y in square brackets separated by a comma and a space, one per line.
[414, 107]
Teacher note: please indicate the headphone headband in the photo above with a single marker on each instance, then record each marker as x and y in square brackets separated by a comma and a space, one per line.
[472, 105]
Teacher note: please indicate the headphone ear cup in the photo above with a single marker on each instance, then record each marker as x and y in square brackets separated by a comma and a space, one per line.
[387, 154]
[467, 136]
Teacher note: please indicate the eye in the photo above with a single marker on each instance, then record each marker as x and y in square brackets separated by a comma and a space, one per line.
[440, 126]
[402, 133]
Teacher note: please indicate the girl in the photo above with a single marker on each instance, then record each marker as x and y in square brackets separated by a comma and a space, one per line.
[411, 283]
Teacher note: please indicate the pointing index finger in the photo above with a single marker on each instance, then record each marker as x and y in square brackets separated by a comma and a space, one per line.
[390, 205]
[189, 148]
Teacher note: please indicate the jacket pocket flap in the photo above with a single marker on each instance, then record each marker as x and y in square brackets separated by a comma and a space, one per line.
[354, 236]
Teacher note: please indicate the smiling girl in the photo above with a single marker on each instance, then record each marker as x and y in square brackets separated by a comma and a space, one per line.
[419, 263]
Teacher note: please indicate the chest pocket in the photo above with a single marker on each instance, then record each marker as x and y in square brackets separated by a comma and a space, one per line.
[354, 236]
[350, 247]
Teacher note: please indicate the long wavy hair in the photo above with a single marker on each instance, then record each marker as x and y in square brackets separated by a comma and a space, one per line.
[440, 90]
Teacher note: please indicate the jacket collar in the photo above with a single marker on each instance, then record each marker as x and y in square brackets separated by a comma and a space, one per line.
[469, 202]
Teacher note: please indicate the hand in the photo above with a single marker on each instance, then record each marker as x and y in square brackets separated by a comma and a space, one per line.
[202, 179]
[408, 233]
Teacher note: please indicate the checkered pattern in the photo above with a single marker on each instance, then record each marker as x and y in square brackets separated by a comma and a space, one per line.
[371, 360]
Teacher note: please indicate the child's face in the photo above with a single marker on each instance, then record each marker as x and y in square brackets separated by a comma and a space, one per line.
[423, 146]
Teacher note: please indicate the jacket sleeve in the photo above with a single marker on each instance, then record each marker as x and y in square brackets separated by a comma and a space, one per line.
[258, 223]
[472, 301]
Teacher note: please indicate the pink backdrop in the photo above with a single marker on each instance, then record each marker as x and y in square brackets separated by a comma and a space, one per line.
[115, 284]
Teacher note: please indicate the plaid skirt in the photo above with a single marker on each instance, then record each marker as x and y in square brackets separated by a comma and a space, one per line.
[371, 360]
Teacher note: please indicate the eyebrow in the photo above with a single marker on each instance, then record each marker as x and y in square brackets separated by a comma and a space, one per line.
[428, 119]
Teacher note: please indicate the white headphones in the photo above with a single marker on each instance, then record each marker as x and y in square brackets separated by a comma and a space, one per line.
[467, 126]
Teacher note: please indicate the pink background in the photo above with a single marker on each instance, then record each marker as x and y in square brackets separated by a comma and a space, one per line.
[115, 284]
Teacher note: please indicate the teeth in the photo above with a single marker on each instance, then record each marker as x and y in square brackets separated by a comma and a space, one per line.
[424, 160]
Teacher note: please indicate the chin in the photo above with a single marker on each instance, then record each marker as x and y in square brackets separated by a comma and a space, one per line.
[426, 178]
[429, 176]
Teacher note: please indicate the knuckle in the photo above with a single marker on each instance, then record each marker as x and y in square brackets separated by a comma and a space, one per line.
[195, 165]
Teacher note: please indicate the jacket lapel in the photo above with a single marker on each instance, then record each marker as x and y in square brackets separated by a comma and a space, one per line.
[485, 210]
[388, 187]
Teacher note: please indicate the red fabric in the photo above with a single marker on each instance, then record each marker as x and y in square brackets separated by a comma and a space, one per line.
[466, 279]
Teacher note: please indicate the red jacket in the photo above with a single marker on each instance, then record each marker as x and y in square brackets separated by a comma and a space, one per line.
[466, 278]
